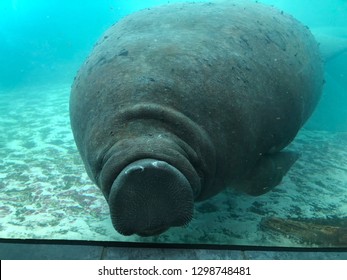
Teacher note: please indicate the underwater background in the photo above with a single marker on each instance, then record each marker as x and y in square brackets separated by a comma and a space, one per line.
[45, 192]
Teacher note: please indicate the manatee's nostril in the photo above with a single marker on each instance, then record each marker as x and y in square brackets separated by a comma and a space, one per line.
[136, 168]
[148, 197]
[159, 164]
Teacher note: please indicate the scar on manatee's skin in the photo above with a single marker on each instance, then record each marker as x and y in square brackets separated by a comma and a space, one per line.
[322, 232]
[123, 52]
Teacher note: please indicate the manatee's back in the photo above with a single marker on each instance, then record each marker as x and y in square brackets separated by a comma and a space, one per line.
[235, 68]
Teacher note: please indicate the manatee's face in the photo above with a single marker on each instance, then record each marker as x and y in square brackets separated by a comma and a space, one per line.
[148, 197]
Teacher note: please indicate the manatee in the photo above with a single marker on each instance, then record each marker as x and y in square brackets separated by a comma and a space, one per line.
[177, 102]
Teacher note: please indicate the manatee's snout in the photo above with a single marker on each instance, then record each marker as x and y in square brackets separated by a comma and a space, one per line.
[148, 197]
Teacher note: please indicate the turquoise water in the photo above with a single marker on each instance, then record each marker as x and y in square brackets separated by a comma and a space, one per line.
[44, 190]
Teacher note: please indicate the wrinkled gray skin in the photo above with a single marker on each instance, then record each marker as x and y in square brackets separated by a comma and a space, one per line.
[176, 103]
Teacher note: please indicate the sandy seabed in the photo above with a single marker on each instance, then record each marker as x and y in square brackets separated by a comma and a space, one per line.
[45, 192]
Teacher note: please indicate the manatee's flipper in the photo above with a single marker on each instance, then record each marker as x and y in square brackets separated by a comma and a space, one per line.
[148, 197]
[268, 173]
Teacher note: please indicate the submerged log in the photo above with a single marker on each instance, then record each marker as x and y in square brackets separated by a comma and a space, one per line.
[327, 233]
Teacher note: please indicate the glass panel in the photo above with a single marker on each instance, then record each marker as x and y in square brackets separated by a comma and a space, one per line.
[45, 192]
